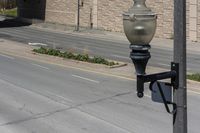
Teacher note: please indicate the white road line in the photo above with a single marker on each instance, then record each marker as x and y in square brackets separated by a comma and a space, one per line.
[40, 66]
[147, 96]
[86, 79]
[162, 64]
[119, 56]
[37, 44]
[9, 57]
[198, 93]
[58, 96]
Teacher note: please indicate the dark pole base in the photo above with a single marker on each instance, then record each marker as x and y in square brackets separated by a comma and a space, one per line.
[140, 56]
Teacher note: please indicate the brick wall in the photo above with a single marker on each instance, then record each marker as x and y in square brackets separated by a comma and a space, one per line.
[66, 13]
[60, 11]
[107, 14]
[110, 15]
[198, 21]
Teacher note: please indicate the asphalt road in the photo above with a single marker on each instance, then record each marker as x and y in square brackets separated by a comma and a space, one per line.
[43, 98]
[110, 48]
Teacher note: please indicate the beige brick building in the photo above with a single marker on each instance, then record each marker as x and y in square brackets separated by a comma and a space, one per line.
[107, 15]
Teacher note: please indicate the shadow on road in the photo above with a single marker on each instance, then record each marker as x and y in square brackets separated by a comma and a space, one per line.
[12, 23]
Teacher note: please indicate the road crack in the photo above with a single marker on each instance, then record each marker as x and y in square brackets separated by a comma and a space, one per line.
[47, 114]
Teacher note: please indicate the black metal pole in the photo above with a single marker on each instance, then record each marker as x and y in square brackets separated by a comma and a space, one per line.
[78, 16]
[180, 94]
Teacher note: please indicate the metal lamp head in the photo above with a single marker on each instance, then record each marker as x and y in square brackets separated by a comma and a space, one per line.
[139, 23]
[139, 26]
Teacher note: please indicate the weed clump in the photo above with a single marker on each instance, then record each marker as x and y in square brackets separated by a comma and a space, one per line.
[79, 57]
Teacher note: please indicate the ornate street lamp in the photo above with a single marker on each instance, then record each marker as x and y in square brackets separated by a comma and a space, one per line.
[140, 26]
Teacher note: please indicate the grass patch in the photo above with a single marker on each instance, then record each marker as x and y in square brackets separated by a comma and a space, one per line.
[195, 77]
[79, 57]
[9, 12]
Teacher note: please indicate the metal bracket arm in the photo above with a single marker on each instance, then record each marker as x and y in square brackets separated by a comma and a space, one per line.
[173, 75]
